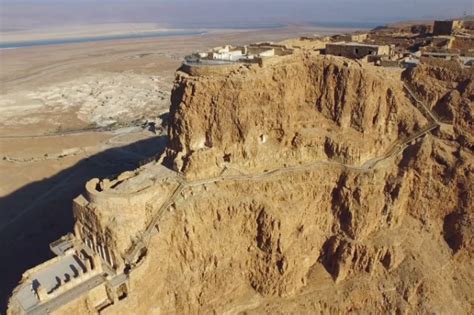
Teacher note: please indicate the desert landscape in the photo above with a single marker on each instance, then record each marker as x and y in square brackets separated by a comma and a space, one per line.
[284, 170]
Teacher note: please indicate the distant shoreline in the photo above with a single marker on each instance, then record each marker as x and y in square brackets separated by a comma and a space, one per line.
[88, 39]
[108, 32]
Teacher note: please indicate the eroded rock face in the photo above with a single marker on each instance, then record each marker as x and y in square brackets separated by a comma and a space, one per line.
[327, 237]
[450, 94]
[300, 108]
[323, 234]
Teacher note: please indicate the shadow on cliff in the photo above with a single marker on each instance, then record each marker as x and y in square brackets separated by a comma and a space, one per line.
[24, 241]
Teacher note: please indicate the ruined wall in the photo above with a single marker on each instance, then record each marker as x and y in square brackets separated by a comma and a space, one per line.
[463, 43]
[452, 64]
[355, 37]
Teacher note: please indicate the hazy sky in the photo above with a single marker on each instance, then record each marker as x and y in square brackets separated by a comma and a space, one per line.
[32, 13]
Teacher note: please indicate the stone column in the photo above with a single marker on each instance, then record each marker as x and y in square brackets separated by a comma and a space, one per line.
[100, 250]
[41, 293]
[97, 263]
[80, 272]
[77, 230]
[107, 257]
[88, 264]
[94, 243]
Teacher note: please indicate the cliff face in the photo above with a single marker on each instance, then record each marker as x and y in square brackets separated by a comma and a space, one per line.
[325, 236]
[299, 108]
[324, 239]
[450, 94]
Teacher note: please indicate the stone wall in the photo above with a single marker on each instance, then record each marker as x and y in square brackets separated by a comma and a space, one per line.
[356, 51]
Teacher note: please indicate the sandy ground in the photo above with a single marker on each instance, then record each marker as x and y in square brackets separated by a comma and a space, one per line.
[50, 96]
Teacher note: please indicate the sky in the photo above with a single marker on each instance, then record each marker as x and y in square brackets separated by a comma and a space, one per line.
[208, 13]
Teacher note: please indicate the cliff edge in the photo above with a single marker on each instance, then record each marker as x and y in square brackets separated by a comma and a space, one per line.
[291, 111]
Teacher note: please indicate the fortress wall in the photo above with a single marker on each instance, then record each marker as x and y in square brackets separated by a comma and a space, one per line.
[109, 199]
[356, 51]
[280, 50]
[97, 238]
[93, 230]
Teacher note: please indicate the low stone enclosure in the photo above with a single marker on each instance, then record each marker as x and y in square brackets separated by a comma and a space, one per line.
[207, 69]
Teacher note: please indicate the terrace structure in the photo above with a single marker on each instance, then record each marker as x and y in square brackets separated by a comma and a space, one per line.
[94, 262]
[357, 50]
[253, 53]
[355, 37]
[72, 273]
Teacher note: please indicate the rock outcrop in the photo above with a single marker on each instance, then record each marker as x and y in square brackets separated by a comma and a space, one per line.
[450, 94]
[295, 110]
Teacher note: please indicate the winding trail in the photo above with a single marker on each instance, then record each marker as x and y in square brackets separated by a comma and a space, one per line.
[141, 244]
[408, 87]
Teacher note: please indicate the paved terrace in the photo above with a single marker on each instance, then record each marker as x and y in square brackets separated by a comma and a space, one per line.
[49, 279]
[74, 272]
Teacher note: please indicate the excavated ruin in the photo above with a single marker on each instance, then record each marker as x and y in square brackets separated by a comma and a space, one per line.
[314, 185]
